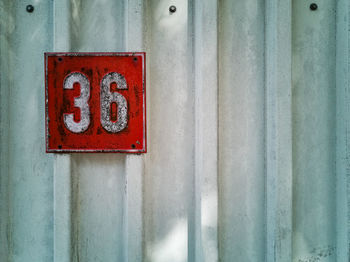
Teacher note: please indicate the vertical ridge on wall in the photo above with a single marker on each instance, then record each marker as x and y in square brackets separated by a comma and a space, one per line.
[62, 209]
[98, 220]
[169, 161]
[194, 211]
[241, 131]
[134, 216]
[343, 131]
[314, 131]
[204, 245]
[278, 131]
[134, 166]
[29, 205]
[62, 162]
[6, 27]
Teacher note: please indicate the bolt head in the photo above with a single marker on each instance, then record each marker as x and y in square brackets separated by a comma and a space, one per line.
[172, 9]
[30, 8]
[313, 7]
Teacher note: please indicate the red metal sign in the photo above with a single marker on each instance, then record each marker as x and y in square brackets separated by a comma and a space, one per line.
[95, 102]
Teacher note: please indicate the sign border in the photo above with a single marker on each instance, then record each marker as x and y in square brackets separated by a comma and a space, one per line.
[134, 151]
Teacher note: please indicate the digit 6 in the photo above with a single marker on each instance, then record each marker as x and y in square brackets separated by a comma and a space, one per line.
[107, 98]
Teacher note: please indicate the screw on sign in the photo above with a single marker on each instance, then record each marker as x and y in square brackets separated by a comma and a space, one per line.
[95, 102]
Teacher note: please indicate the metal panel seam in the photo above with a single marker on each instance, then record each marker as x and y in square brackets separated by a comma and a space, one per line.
[278, 131]
[343, 129]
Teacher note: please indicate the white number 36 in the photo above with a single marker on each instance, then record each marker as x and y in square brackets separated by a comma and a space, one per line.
[106, 99]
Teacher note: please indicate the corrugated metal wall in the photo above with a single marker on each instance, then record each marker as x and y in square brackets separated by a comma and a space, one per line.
[248, 105]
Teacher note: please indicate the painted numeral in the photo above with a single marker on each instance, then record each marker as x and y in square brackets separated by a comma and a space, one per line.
[107, 98]
[80, 102]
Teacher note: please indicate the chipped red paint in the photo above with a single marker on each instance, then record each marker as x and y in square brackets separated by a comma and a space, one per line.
[60, 101]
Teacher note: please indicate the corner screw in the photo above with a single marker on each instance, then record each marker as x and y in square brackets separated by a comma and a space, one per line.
[172, 9]
[30, 8]
[313, 7]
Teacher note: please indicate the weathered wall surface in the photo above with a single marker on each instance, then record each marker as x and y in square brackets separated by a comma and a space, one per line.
[248, 109]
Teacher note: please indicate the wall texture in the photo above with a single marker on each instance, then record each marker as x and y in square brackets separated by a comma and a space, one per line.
[248, 105]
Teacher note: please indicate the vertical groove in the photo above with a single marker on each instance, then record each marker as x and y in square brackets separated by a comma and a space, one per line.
[146, 27]
[193, 242]
[5, 30]
[126, 207]
[205, 188]
[278, 131]
[343, 131]
[194, 211]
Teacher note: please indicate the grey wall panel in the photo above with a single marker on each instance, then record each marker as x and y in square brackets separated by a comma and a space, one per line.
[29, 173]
[97, 25]
[343, 128]
[98, 209]
[6, 27]
[314, 94]
[278, 52]
[203, 242]
[168, 183]
[248, 122]
[241, 131]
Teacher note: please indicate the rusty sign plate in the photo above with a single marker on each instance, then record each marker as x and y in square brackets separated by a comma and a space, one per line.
[95, 102]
